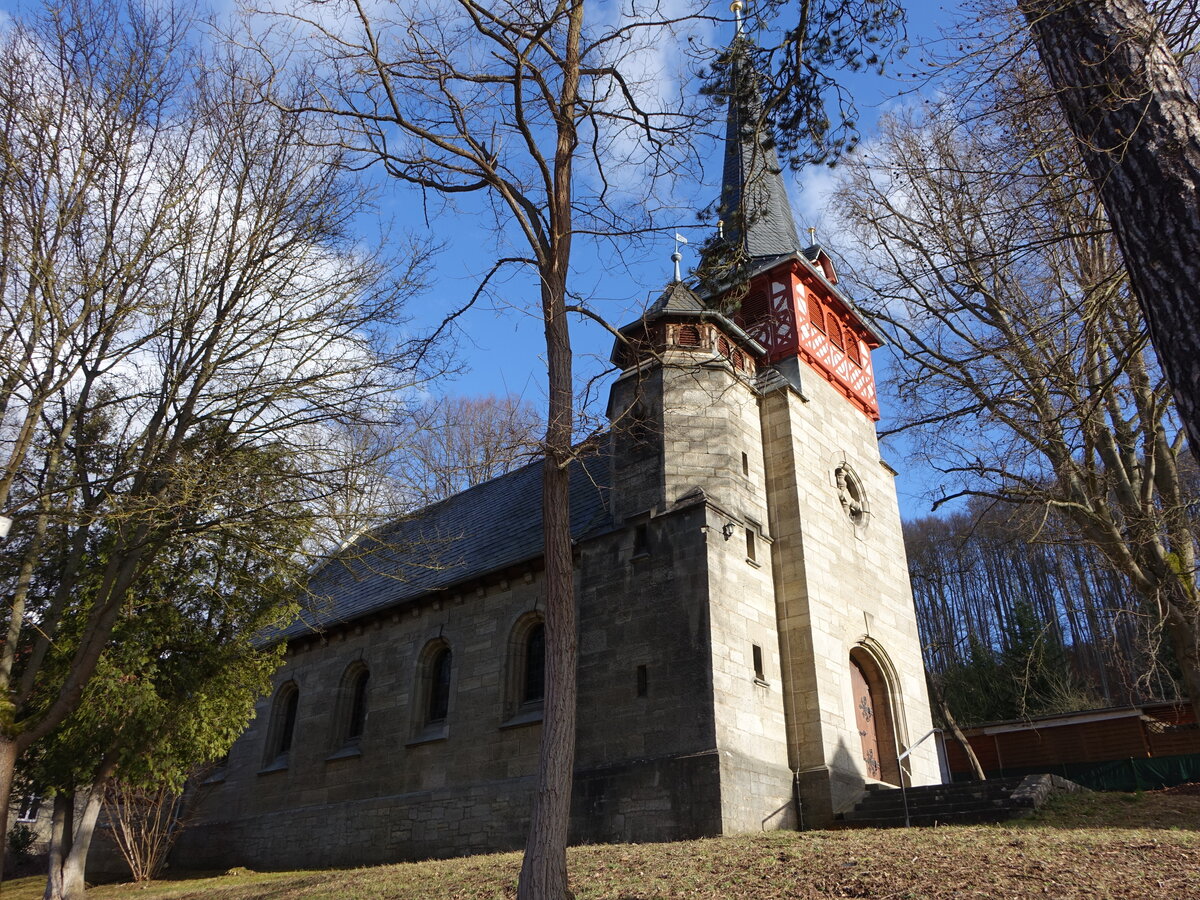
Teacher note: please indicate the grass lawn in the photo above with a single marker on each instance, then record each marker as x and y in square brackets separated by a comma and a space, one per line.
[1122, 846]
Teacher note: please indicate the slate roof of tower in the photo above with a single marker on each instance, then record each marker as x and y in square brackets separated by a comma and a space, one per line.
[485, 528]
[677, 297]
[754, 201]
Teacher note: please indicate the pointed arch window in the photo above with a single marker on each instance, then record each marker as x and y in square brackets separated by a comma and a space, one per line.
[534, 688]
[433, 693]
[281, 728]
[440, 670]
[350, 710]
[525, 683]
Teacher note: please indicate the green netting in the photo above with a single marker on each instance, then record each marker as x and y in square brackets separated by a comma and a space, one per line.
[1122, 774]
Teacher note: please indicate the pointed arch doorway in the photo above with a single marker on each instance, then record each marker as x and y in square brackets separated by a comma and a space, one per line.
[873, 718]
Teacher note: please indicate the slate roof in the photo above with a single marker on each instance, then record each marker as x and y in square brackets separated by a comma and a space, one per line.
[483, 529]
[677, 298]
[754, 201]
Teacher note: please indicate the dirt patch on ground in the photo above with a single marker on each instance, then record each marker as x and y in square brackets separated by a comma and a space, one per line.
[1191, 789]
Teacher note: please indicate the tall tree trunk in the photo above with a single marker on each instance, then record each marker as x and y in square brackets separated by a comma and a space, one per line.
[544, 867]
[70, 840]
[9, 751]
[1138, 128]
[62, 828]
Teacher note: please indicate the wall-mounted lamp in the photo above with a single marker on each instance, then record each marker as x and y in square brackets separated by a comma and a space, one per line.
[727, 530]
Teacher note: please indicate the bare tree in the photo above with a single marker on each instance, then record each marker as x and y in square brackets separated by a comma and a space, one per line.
[453, 443]
[971, 572]
[180, 287]
[1024, 363]
[1136, 120]
[531, 105]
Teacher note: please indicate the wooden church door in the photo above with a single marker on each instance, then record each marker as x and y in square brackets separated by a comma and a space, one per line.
[864, 717]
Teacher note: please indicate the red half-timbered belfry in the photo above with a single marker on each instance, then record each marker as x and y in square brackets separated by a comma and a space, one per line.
[794, 311]
[780, 292]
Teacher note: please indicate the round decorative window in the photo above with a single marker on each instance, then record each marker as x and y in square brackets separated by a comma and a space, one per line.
[850, 493]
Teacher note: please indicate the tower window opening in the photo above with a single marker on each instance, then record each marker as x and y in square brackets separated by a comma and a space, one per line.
[642, 682]
[751, 548]
[753, 311]
[835, 333]
[758, 663]
[816, 314]
[641, 540]
[852, 349]
[745, 464]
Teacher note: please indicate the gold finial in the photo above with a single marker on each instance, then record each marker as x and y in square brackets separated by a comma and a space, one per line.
[736, 8]
[812, 235]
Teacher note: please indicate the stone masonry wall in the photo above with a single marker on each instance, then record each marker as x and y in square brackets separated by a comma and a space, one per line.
[838, 584]
[646, 767]
[713, 441]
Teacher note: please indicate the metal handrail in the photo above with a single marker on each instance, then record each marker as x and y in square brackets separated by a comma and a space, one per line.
[903, 791]
[930, 733]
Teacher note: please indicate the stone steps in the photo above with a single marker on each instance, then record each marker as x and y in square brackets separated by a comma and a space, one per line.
[963, 803]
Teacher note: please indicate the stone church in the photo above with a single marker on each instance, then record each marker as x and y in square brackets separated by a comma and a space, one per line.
[748, 649]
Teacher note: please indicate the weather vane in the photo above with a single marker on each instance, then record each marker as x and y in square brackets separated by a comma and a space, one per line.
[677, 257]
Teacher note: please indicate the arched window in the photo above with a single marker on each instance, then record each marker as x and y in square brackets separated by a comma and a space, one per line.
[525, 684]
[439, 686]
[358, 706]
[534, 690]
[433, 692]
[282, 728]
[350, 711]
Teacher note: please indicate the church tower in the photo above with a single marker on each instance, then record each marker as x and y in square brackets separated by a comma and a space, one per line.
[753, 392]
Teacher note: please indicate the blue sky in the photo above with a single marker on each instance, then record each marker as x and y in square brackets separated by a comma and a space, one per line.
[501, 343]
[500, 340]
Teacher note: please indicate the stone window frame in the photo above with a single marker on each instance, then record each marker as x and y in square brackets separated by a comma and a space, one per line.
[281, 730]
[851, 494]
[350, 710]
[518, 707]
[426, 724]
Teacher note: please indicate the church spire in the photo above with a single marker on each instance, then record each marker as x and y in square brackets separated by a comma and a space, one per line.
[754, 204]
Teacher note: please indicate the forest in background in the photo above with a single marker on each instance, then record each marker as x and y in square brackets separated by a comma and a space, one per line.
[1019, 619]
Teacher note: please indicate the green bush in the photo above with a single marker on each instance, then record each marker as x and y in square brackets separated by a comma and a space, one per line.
[21, 839]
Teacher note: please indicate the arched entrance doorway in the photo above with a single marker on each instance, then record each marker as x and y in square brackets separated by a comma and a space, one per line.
[873, 717]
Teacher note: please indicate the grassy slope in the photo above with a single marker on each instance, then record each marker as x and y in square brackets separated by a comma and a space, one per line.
[1127, 846]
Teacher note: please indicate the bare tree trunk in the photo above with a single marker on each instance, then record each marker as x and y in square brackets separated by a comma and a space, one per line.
[1138, 127]
[935, 688]
[544, 869]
